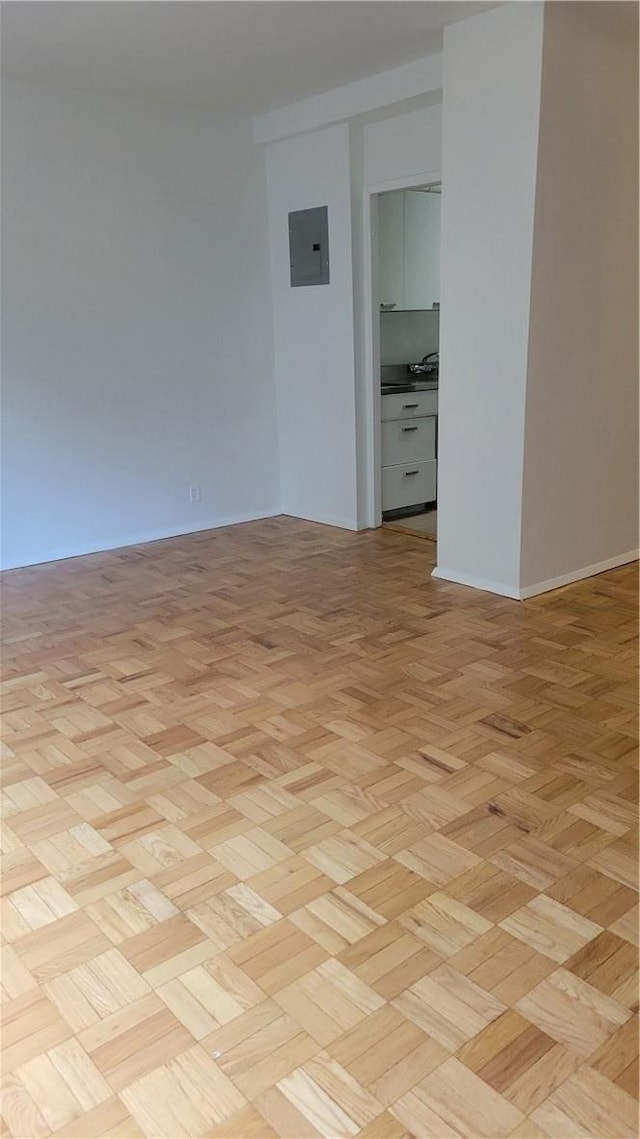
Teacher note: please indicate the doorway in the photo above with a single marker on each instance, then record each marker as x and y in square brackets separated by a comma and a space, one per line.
[404, 355]
[421, 523]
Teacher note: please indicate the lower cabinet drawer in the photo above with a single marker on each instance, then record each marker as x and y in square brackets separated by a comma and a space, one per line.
[407, 442]
[407, 484]
[410, 405]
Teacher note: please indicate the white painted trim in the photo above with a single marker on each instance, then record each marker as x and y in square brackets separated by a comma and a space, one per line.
[409, 81]
[328, 520]
[63, 554]
[499, 587]
[371, 309]
[408, 182]
[372, 405]
[527, 591]
[580, 574]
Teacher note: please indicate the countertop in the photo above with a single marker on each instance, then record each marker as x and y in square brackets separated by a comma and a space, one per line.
[417, 384]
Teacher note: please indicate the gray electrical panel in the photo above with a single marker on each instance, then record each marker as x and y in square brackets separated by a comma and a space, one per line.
[309, 246]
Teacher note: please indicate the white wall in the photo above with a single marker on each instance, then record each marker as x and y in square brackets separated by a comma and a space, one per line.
[492, 75]
[508, 514]
[137, 345]
[404, 146]
[386, 88]
[326, 398]
[314, 332]
[580, 504]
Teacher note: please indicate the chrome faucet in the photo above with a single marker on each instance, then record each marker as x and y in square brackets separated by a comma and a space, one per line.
[427, 366]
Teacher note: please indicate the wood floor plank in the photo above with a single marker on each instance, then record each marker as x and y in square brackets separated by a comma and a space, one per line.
[587, 1103]
[454, 1101]
[573, 1012]
[298, 841]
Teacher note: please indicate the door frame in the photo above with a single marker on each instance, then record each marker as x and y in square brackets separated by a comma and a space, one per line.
[372, 408]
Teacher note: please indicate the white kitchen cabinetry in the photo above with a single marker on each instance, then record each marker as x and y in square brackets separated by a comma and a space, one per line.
[409, 484]
[409, 463]
[421, 249]
[408, 441]
[408, 405]
[409, 249]
[391, 249]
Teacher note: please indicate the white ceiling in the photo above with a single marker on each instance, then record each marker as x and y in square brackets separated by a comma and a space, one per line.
[238, 55]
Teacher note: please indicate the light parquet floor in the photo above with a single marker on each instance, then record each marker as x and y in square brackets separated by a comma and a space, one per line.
[299, 842]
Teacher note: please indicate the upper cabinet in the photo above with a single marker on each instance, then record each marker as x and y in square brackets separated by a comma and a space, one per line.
[409, 249]
[421, 249]
[391, 249]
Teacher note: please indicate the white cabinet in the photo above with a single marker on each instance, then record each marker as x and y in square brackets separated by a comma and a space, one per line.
[409, 405]
[409, 249]
[408, 484]
[391, 249]
[408, 440]
[409, 463]
[421, 249]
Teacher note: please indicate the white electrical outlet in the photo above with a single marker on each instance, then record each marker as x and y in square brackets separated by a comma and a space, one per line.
[194, 492]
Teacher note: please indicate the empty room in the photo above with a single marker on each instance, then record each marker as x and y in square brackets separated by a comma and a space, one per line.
[319, 569]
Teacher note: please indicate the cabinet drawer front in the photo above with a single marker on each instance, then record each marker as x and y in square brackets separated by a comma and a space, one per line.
[407, 484]
[404, 442]
[410, 405]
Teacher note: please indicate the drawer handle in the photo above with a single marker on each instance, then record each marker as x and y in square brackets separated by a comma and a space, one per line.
[407, 406]
[407, 473]
[410, 428]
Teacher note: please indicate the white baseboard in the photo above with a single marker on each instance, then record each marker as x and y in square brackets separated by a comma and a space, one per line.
[521, 594]
[578, 575]
[326, 520]
[63, 553]
[443, 574]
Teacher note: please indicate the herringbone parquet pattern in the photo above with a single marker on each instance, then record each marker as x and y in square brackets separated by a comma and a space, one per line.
[299, 842]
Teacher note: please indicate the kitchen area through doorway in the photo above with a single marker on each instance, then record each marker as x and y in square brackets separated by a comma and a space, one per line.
[408, 288]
